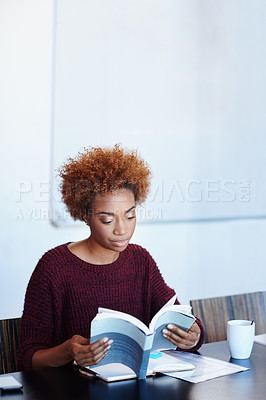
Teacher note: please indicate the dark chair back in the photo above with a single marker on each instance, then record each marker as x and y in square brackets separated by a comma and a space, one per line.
[9, 342]
[215, 312]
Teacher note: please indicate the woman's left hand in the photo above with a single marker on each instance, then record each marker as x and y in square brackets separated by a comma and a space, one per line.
[180, 338]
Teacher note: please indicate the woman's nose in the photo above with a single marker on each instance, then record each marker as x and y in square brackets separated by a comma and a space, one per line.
[120, 228]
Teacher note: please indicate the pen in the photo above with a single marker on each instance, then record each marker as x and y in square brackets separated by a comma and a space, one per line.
[85, 371]
[252, 322]
[89, 374]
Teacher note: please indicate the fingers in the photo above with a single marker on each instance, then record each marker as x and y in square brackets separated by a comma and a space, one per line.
[89, 354]
[80, 340]
[93, 357]
[180, 338]
[195, 328]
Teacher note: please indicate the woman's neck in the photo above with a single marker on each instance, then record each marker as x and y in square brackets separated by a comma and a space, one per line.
[89, 251]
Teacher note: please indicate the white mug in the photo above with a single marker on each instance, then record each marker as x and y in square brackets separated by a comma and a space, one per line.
[240, 336]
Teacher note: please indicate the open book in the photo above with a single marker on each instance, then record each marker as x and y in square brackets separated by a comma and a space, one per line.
[159, 362]
[133, 340]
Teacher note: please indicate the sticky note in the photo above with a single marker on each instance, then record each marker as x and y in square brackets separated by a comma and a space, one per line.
[156, 355]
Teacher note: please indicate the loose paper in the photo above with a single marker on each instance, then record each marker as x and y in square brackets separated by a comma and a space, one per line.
[205, 367]
[261, 339]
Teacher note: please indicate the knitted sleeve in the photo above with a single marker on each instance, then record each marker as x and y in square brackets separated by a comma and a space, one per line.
[37, 323]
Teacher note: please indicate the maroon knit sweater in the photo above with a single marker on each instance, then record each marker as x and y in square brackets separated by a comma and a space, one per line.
[64, 294]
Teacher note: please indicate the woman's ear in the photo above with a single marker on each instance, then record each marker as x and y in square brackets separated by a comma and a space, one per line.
[87, 221]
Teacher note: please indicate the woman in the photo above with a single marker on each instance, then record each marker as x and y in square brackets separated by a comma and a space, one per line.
[101, 187]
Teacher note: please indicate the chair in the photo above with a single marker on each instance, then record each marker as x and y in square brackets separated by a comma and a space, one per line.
[9, 342]
[215, 312]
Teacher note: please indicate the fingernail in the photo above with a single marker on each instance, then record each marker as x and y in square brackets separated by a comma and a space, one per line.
[105, 339]
[164, 332]
[170, 326]
[110, 342]
[108, 347]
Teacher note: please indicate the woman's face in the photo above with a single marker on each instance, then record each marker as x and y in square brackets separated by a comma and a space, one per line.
[112, 220]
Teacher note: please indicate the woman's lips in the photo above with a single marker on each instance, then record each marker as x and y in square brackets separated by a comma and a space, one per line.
[119, 243]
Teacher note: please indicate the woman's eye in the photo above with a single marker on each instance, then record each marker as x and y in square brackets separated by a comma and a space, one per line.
[106, 222]
[131, 217]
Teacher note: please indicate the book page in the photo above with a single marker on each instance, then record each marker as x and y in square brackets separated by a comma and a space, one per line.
[167, 363]
[184, 309]
[117, 371]
[113, 372]
[108, 313]
[170, 302]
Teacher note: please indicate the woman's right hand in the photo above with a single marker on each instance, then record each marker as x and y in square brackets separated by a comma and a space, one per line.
[86, 354]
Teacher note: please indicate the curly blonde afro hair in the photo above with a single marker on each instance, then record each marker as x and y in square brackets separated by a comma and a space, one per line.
[100, 170]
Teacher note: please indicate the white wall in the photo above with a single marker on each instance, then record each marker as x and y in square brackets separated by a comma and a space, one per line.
[198, 260]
